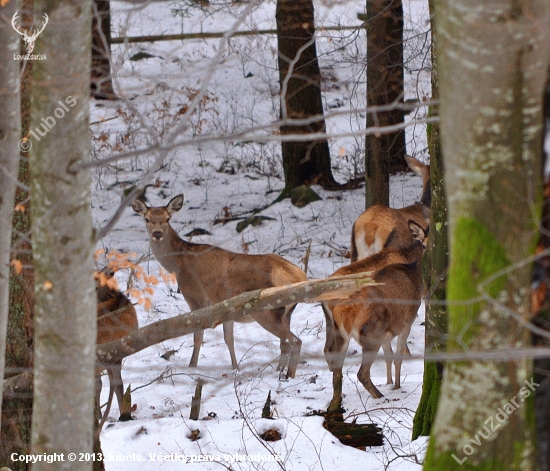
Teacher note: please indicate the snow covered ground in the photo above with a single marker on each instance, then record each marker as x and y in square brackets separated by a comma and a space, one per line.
[230, 177]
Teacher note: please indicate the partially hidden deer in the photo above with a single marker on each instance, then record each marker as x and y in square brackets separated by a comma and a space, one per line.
[380, 227]
[207, 275]
[376, 314]
[116, 318]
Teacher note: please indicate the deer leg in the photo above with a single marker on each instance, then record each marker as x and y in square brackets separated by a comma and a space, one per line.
[284, 358]
[335, 406]
[277, 322]
[98, 388]
[335, 345]
[388, 352]
[369, 354]
[115, 380]
[230, 342]
[197, 343]
[335, 354]
[402, 349]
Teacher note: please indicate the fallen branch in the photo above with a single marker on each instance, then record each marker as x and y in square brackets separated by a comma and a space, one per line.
[230, 310]
[183, 36]
[341, 287]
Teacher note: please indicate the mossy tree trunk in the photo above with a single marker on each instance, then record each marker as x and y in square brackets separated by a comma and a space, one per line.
[384, 87]
[305, 162]
[435, 267]
[65, 300]
[17, 411]
[493, 58]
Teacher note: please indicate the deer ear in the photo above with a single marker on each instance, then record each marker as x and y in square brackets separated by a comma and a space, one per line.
[416, 166]
[175, 204]
[416, 231]
[139, 207]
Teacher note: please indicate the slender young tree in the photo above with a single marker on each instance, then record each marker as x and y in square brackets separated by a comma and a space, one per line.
[17, 410]
[10, 134]
[435, 267]
[102, 83]
[384, 87]
[300, 80]
[493, 58]
[65, 307]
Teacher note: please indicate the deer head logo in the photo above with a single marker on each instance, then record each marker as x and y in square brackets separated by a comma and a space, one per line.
[29, 40]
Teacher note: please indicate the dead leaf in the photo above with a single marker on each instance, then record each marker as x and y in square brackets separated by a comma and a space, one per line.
[17, 266]
[271, 435]
[195, 435]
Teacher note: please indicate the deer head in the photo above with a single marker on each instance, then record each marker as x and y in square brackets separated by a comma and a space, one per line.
[157, 219]
[29, 40]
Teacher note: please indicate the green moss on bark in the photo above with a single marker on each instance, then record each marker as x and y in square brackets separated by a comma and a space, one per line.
[476, 255]
[422, 423]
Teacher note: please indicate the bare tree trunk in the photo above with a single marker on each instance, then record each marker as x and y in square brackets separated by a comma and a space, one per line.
[65, 308]
[102, 84]
[493, 59]
[17, 411]
[435, 268]
[384, 87]
[300, 79]
[10, 134]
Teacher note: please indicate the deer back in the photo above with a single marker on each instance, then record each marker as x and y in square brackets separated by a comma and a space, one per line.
[116, 316]
[207, 274]
[376, 229]
[384, 310]
[380, 227]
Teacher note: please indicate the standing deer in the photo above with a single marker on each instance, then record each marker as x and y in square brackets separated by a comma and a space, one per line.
[375, 315]
[380, 227]
[207, 275]
[116, 318]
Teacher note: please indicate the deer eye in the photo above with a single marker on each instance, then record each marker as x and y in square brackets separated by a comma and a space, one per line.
[147, 220]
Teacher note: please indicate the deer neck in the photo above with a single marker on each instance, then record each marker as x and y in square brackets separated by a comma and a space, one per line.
[172, 252]
[426, 198]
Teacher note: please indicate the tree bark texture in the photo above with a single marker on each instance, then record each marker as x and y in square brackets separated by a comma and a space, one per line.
[300, 80]
[435, 266]
[65, 299]
[493, 58]
[17, 411]
[384, 87]
[10, 134]
[102, 84]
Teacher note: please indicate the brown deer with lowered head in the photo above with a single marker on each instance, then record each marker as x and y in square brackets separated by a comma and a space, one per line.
[116, 318]
[207, 275]
[375, 315]
[380, 227]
